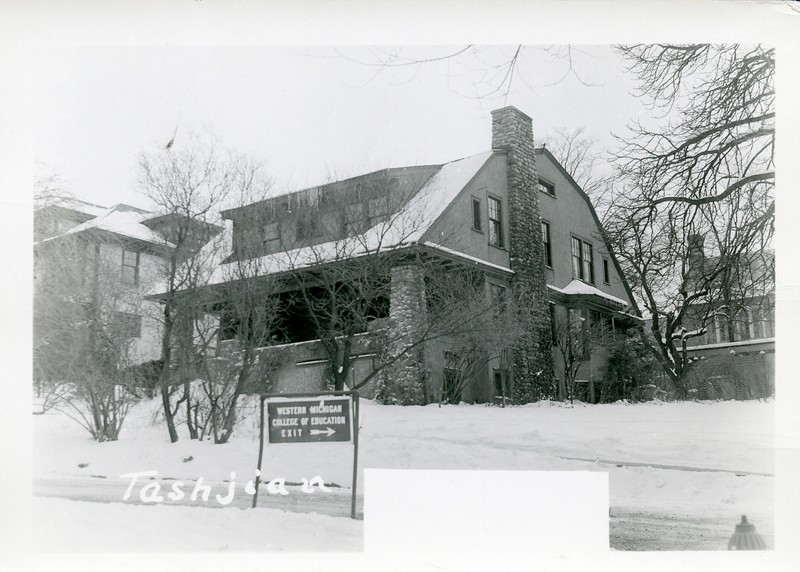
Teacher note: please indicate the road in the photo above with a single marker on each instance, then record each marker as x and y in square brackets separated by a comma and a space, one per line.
[630, 529]
[337, 502]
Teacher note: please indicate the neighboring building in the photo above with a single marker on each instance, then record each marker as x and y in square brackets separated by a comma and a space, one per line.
[512, 213]
[734, 355]
[102, 257]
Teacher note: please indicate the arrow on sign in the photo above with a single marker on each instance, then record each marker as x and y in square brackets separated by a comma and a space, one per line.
[328, 432]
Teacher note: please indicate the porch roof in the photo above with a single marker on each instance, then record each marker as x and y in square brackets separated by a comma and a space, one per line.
[579, 288]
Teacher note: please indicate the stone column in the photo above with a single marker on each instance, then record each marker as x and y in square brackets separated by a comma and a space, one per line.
[403, 382]
[512, 132]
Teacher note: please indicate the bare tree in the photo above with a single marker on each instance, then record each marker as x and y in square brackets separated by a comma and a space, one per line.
[575, 336]
[85, 325]
[695, 222]
[490, 72]
[186, 187]
[587, 164]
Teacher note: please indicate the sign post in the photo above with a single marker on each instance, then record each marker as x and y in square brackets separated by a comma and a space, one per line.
[323, 417]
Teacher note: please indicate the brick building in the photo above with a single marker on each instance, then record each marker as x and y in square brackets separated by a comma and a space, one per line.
[510, 216]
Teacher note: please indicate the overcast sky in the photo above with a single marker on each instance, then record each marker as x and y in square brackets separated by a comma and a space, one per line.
[306, 113]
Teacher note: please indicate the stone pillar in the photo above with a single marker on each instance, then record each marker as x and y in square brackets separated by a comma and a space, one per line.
[403, 382]
[533, 378]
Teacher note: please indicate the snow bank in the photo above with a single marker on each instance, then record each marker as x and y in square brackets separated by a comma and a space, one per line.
[62, 525]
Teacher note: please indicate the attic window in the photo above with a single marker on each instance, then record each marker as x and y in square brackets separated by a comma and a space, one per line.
[271, 233]
[308, 226]
[378, 209]
[546, 187]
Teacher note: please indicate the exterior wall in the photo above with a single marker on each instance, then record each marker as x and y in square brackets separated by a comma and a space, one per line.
[569, 215]
[129, 299]
[453, 229]
[302, 367]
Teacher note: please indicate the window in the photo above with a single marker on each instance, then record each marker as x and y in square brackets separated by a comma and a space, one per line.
[308, 225]
[498, 299]
[582, 263]
[271, 233]
[606, 277]
[477, 223]
[546, 187]
[130, 267]
[495, 222]
[548, 254]
[353, 219]
[128, 326]
[378, 209]
[499, 384]
[451, 377]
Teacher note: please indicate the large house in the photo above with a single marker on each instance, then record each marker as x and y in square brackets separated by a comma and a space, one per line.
[510, 218]
[93, 267]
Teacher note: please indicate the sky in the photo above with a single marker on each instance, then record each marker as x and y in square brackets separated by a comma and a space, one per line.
[308, 114]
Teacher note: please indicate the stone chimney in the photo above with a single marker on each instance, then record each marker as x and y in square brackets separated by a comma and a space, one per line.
[512, 133]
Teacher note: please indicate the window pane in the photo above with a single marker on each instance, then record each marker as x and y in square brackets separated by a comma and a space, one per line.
[495, 222]
[577, 267]
[546, 240]
[130, 267]
[476, 214]
[588, 270]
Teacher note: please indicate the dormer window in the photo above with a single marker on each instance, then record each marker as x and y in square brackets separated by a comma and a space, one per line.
[271, 233]
[308, 225]
[546, 187]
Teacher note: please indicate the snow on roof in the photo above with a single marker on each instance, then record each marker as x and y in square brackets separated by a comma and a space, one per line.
[78, 206]
[474, 259]
[405, 227]
[577, 287]
[120, 219]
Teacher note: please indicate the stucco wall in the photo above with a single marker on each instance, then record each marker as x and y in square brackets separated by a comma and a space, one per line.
[130, 299]
[453, 228]
[569, 215]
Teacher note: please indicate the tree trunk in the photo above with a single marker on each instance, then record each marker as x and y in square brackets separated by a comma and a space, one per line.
[190, 422]
[166, 356]
[230, 414]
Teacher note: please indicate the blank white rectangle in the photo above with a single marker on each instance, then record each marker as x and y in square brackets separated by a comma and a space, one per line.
[437, 512]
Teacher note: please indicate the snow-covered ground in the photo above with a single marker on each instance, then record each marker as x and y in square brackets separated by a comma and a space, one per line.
[692, 462]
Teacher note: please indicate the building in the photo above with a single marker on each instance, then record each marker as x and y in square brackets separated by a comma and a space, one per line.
[733, 354]
[93, 267]
[511, 218]
[89, 256]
